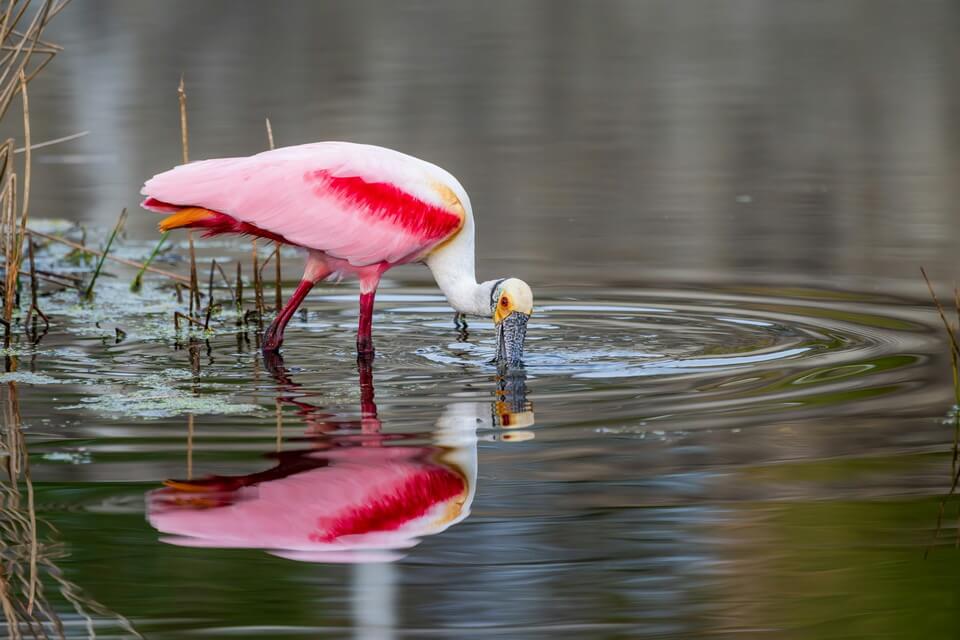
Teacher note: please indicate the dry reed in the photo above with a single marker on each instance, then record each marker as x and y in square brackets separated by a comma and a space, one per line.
[130, 263]
[185, 155]
[226, 282]
[24, 55]
[257, 284]
[238, 297]
[34, 293]
[177, 317]
[27, 558]
[277, 270]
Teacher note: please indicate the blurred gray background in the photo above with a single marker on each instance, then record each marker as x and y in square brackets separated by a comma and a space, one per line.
[631, 142]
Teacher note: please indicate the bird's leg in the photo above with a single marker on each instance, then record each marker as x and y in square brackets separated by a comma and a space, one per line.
[460, 322]
[368, 289]
[273, 336]
[317, 269]
[365, 330]
[369, 422]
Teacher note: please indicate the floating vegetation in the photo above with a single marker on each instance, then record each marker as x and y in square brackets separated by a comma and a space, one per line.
[160, 402]
[159, 397]
[28, 377]
[69, 457]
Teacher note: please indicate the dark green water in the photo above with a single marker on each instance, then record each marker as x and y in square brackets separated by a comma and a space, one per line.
[672, 464]
[736, 415]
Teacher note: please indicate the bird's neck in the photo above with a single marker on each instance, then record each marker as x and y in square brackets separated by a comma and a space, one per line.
[453, 269]
[464, 293]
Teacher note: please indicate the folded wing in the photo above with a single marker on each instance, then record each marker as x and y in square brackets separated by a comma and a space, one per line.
[360, 203]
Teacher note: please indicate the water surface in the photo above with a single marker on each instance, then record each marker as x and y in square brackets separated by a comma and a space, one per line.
[735, 415]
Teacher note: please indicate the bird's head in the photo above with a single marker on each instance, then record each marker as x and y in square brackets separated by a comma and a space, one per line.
[512, 305]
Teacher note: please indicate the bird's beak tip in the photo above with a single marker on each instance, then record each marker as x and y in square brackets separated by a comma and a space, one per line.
[511, 335]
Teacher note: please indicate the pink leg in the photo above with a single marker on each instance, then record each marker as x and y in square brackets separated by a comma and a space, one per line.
[317, 269]
[365, 330]
[369, 422]
[368, 289]
[273, 337]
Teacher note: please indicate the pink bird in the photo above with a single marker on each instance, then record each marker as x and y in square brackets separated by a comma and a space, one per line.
[358, 210]
[324, 505]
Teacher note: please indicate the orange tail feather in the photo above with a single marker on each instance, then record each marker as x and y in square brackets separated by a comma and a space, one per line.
[186, 218]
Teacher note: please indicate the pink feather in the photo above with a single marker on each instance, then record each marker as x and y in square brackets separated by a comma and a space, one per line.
[361, 204]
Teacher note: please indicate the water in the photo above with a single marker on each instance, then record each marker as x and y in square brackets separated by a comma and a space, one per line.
[735, 416]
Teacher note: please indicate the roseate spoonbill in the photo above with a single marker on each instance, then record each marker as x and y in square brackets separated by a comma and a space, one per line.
[358, 210]
[350, 497]
[345, 502]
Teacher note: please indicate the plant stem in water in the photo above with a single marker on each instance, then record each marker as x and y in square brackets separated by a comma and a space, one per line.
[106, 250]
[138, 279]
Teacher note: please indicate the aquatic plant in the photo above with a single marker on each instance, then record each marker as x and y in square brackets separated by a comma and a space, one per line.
[88, 294]
[952, 333]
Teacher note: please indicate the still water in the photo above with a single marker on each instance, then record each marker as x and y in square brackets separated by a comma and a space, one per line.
[735, 416]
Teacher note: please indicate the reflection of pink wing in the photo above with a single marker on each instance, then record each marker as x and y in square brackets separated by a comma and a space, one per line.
[360, 203]
[378, 498]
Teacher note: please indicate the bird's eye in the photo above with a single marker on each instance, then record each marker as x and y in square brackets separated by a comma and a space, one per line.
[504, 302]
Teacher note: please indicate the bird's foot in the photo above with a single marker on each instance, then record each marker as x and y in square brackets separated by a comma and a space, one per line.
[365, 352]
[273, 362]
[272, 340]
[460, 322]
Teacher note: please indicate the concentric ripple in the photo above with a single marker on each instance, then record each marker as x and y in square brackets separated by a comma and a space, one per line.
[612, 359]
[698, 351]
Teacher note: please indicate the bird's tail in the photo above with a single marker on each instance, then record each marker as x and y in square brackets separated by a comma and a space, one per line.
[189, 217]
[212, 222]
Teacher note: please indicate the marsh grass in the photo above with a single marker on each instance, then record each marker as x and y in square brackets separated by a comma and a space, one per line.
[137, 283]
[277, 270]
[28, 560]
[953, 331]
[88, 294]
[24, 55]
[34, 300]
[79, 247]
[14, 230]
[185, 155]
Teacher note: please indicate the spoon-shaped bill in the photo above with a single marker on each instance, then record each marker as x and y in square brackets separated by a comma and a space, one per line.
[511, 333]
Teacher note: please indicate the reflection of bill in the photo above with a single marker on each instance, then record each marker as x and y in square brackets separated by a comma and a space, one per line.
[350, 497]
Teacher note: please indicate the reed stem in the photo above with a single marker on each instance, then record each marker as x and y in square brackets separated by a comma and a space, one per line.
[106, 250]
[130, 263]
[238, 298]
[277, 274]
[138, 279]
[184, 135]
[257, 285]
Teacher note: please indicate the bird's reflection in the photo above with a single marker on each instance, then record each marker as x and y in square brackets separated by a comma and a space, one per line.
[355, 494]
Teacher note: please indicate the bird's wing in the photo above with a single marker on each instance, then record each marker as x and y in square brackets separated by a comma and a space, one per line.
[359, 203]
